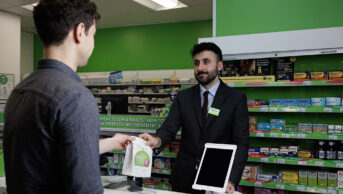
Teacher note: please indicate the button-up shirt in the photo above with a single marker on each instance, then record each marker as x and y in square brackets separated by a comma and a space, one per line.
[212, 93]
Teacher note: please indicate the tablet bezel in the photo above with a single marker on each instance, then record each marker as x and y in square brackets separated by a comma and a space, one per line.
[218, 146]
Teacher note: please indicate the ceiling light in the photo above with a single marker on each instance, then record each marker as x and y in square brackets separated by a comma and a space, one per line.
[30, 6]
[159, 5]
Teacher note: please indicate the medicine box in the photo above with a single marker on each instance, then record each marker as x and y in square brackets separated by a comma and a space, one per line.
[336, 75]
[312, 178]
[264, 151]
[332, 179]
[317, 101]
[302, 76]
[303, 177]
[304, 102]
[278, 121]
[319, 75]
[274, 151]
[279, 102]
[288, 176]
[320, 128]
[305, 127]
[290, 102]
[322, 178]
[333, 101]
[275, 127]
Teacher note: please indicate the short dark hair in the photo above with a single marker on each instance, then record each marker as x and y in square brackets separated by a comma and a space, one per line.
[55, 18]
[207, 46]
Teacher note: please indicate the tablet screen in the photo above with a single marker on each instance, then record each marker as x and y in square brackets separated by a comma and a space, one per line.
[214, 167]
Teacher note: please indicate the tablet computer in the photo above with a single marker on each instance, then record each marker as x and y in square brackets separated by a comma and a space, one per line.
[215, 167]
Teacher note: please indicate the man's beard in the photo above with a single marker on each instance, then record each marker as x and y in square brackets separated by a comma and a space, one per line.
[206, 80]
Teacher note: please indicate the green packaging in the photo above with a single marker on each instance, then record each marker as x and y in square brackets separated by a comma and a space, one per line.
[303, 177]
[312, 178]
[322, 178]
[332, 179]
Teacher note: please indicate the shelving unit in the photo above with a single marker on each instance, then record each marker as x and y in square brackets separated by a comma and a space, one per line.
[290, 109]
[314, 136]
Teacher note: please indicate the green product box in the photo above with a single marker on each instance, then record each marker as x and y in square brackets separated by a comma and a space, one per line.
[322, 178]
[303, 177]
[332, 179]
[312, 178]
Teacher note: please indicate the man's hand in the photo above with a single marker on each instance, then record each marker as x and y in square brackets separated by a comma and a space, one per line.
[117, 142]
[153, 142]
[230, 188]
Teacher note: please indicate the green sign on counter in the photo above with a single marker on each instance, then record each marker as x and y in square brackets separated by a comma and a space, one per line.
[131, 121]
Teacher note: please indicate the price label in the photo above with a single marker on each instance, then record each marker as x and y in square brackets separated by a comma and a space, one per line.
[273, 135]
[302, 136]
[339, 165]
[307, 83]
[285, 109]
[260, 134]
[310, 189]
[328, 110]
[302, 162]
[230, 84]
[286, 135]
[258, 184]
[300, 188]
[265, 160]
[333, 137]
[264, 109]
[282, 187]
[281, 161]
[273, 109]
[322, 190]
[302, 109]
[319, 164]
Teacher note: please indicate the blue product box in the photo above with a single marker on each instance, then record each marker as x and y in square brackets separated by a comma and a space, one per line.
[254, 151]
[263, 125]
[278, 121]
[304, 102]
[276, 127]
[290, 102]
[333, 101]
[276, 102]
[317, 101]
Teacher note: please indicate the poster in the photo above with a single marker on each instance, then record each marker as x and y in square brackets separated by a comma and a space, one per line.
[6, 85]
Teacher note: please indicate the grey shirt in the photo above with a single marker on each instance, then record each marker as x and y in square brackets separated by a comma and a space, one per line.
[51, 134]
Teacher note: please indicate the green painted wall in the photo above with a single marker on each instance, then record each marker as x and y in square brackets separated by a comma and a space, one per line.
[237, 17]
[147, 47]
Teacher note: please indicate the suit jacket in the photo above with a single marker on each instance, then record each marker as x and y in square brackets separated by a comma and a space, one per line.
[231, 126]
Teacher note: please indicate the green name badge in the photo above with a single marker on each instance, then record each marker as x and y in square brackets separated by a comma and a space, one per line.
[213, 111]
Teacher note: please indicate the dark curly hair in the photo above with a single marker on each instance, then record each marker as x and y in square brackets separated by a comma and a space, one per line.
[55, 18]
[207, 46]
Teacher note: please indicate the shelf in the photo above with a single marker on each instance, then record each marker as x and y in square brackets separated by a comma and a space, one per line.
[315, 135]
[161, 103]
[139, 84]
[166, 171]
[292, 109]
[286, 84]
[291, 187]
[298, 161]
[134, 94]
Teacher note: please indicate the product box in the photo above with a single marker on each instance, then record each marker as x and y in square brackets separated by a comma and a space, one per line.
[312, 178]
[340, 179]
[264, 151]
[336, 75]
[290, 102]
[250, 172]
[262, 67]
[332, 179]
[333, 101]
[331, 128]
[317, 101]
[278, 121]
[284, 69]
[320, 128]
[303, 177]
[253, 151]
[288, 176]
[275, 127]
[263, 126]
[265, 78]
[338, 129]
[305, 127]
[306, 153]
[319, 75]
[322, 178]
[230, 69]
[290, 128]
[304, 102]
[302, 76]
[279, 102]
[293, 151]
[274, 151]
[268, 177]
[283, 151]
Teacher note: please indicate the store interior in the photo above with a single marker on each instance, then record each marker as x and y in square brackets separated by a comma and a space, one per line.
[286, 56]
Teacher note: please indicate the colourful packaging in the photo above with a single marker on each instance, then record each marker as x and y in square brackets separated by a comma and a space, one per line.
[322, 178]
[333, 101]
[253, 151]
[290, 128]
[290, 102]
[312, 178]
[263, 126]
[336, 75]
[305, 127]
[332, 179]
[275, 127]
[303, 177]
[306, 153]
[288, 176]
[304, 102]
[319, 75]
[250, 172]
[267, 177]
[264, 151]
[320, 128]
[302, 76]
[283, 152]
[317, 101]
[279, 102]
[274, 151]
[278, 121]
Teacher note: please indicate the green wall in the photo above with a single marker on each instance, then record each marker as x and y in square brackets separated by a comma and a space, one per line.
[147, 47]
[237, 17]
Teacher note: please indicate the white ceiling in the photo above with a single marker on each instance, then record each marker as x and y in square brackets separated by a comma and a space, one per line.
[118, 13]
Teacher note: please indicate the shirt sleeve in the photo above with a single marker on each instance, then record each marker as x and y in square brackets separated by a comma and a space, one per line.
[77, 132]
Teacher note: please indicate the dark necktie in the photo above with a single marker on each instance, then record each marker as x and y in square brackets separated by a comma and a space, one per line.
[204, 107]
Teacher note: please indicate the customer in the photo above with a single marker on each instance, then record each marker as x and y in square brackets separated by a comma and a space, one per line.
[191, 111]
[51, 131]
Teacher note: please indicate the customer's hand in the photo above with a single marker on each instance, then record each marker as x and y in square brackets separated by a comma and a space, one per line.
[230, 188]
[117, 142]
[153, 142]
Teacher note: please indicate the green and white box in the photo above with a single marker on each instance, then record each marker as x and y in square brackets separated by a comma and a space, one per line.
[322, 178]
[303, 177]
[332, 179]
[312, 178]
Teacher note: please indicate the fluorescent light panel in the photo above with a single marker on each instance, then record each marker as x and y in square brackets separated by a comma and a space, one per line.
[159, 5]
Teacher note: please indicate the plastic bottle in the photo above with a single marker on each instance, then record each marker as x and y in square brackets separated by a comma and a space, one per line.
[331, 151]
[320, 153]
[340, 151]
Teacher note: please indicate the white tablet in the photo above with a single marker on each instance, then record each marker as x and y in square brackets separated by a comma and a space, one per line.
[215, 167]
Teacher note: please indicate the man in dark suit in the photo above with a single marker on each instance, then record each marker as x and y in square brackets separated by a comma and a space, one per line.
[209, 112]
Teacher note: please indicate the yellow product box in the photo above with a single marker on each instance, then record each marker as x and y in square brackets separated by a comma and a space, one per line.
[288, 176]
[174, 80]
[250, 172]
[266, 78]
[302, 76]
[336, 75]
[319, 75]
[156, 81]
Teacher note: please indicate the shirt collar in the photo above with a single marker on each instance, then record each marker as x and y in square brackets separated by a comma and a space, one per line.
[55, 64]
[212, 90]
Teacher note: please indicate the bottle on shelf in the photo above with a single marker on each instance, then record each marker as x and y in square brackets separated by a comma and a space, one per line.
[331, 151]
[340, 151]
[320, 152]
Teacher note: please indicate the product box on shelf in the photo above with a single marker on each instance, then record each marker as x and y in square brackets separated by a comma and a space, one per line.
[288, 176]
[319, 75]
[303, 177]
[253, 151]
[293, 151]
[290, 128]
[304, 102]
[312, 178]
[340, 179]
[262, 67]
[338, 129]
[283, 151]
[317, 101]
[265, 78]
[265, 151]
[278, 121]
[284, 69]
[251, 171]
[332, 179]
[290, 102]
[302, 76]
[276, 127]
[333, 101]
[274, 151]
[279, 102]
[305, 127]
[268, 177]
[306, 153]
[336, 75]
[320, 128]
[263, 126]
[322, 178]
